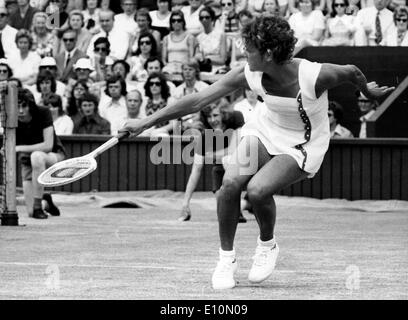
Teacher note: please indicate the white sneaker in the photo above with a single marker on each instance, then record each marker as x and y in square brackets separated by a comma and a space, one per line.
[223, 276]
[264, 263]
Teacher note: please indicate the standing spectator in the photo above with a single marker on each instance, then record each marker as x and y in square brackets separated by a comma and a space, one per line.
[126, 21]
[63, 124]
[398, 36]
[119, 40]
[158, 93]
[45, 43]
[23, 18]
[340, 27]
[67, 59]
[146, 48]
[335, 114]
[25, 64]
[38, 147]
[91, 16]
[144, 22]
[308, 24]
[249, 105]
[161, 17]
[212, 43]
[90, 121]
[178, 46]
[78, 91]
[191, 12]
[8, 46]
[76, 23]
[112, 107]
[191, 84]
[374, 24]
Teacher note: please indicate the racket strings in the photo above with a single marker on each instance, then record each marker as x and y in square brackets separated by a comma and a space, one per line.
[64, 173]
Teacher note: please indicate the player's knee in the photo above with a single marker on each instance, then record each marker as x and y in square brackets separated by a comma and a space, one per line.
[258, 194]
[230, 186]
[37, 159]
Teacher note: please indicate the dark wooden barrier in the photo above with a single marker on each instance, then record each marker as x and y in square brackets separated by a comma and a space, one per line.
[352, 169]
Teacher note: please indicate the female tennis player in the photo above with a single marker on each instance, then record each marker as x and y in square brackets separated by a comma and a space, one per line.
[287, 141]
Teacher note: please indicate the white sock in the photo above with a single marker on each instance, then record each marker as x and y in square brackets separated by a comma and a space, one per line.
[227, 254]
[270, 243]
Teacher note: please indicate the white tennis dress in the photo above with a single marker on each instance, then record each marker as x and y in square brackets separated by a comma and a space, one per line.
[298, 127]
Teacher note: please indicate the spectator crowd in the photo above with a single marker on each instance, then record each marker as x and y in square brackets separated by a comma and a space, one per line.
[97, 63]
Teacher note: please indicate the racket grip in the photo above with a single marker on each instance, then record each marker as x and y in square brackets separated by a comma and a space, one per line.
[122, 135]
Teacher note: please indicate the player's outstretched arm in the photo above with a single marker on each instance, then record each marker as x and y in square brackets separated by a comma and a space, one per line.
[191, 103]
[333, 75]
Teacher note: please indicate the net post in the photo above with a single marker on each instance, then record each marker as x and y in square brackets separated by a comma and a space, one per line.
[9, 216]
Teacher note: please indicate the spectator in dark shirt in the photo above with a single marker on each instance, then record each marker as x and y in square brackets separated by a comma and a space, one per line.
[38, 147]
[23, 17]
[91, 122]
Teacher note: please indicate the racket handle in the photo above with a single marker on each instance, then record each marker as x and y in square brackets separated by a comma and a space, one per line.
[109, 144]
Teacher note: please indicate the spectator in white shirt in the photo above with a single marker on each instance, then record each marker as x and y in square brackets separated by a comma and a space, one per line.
[91, 16]
[398, 36]
[161, 17]
[191, 16]
[248, 105]
[63, 124]
[112, 106]
[119, 40]
[126, 21]
[8, 47]
[367, 109]
[374, 24]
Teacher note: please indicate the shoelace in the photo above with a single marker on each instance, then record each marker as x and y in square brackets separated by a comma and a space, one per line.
[261, 255]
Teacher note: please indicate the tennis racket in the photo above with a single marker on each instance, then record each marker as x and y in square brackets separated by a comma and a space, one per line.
[71, 170]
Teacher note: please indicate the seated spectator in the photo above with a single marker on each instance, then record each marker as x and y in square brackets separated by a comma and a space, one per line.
[190, 16]
[212, 43]
[76, 23]
[367, 109]
[126, 21]
[178, 46]
[257, 7]
[69, 56]
[158, 93]
[228, 21]
[272, 8]
[119, 40]
[161, 17]
[23, 17]
[248, 105]
[308, 24]
[5, 71]
[25, 63]
[146, 48]
[191, 84]
[144, 22]
[45, 43]
[82, 69]
[46, 85]
[238, 56]
[90, 121]
[373, 24]
[112, 105]
[8, 47]
[340, 27]
[11, 6]
[398, 36]
[91, 16]
[37, 147]
[335, 114]
[101, 60]
[78, 91]
[63, 124]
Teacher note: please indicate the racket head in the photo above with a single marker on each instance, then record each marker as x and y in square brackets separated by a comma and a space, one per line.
[67, 171]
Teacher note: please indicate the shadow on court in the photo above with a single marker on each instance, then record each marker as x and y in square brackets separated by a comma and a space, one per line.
[331, 249]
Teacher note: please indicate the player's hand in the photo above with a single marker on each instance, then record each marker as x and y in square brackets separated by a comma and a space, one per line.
[133, 126]
[376, 91]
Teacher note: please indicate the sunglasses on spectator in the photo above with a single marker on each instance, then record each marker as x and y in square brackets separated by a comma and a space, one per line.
[228, 4]
[340, 5]
[363, 100]
[205, 18]
[155, 83]
[3, 71]
[176, 20]
[147, 43]
[2, 15]
[68, 39]
[401, 20]
[100, 49]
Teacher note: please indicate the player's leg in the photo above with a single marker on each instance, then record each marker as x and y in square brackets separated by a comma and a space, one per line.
[249, 156]
[278, 173]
